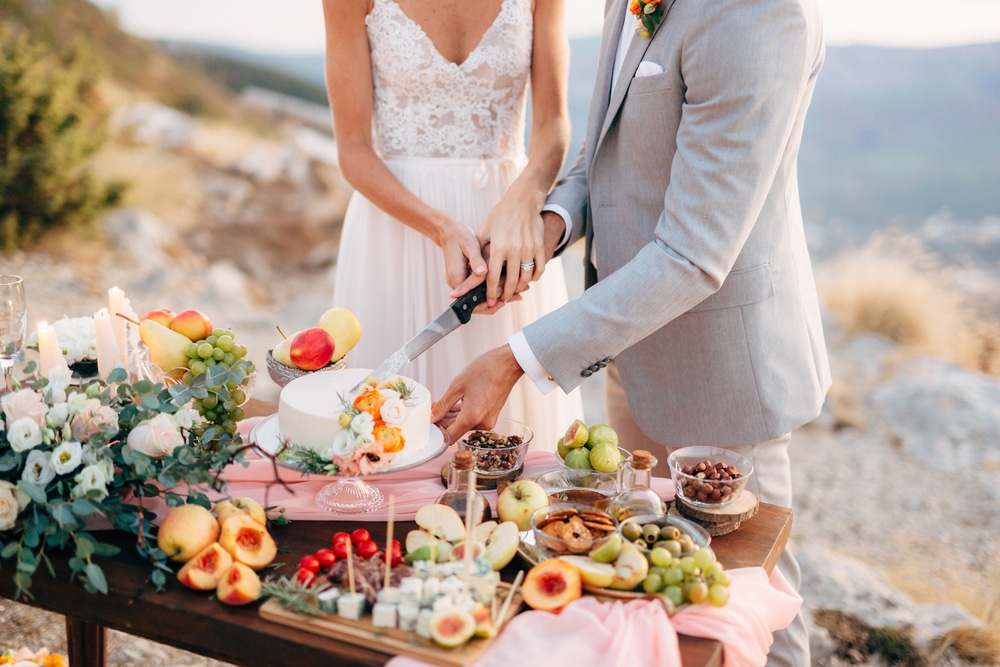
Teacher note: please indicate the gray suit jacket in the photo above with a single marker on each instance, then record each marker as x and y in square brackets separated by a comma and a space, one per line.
[686, 190]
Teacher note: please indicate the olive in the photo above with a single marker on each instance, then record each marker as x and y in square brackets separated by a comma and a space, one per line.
[631, 531]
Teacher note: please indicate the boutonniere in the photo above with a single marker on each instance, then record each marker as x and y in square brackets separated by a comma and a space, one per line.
[650, 13]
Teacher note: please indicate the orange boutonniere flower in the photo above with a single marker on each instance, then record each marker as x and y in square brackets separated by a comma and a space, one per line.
[650, 13]
[370, 402]
[390, 437]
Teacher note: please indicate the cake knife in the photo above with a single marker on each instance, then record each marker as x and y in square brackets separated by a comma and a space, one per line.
[457, 314]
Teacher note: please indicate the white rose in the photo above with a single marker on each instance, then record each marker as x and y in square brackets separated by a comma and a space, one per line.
[38, 468]
[59, 378]
[24, 403]
[12, 501]
[362, 423]
[186, 418]
[364, 441]
[67, 457]
[76, 402]
[58, 414]
[157, 437]
[343, 444]
[89, 457]
[24, 434]
[89, 479]
[393, 411]
[107, 469]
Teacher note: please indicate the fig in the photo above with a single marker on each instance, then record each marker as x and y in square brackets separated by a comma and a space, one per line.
[452, 627]
[578, 458]
[551, 585]
[600, 434]
[576, 435]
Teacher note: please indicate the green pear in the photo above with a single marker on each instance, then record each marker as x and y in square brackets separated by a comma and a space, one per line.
[167, 348]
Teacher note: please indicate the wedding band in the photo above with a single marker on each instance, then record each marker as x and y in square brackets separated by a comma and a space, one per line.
[527, 266]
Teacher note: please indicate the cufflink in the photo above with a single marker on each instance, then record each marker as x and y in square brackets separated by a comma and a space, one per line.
[551, 379]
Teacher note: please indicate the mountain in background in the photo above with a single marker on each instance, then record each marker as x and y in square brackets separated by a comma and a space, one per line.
[893, 135]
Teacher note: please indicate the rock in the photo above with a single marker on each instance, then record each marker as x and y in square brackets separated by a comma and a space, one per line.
[157, 124]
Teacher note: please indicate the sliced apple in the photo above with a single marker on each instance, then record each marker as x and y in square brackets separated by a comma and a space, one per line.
[631, 567]
[243, 505]
[238, 585]
[481, 530]
[247, 541]
[202, 573]
[501, 544]
[598, 575]
[608, 552]
[441, 521]
[418, 538]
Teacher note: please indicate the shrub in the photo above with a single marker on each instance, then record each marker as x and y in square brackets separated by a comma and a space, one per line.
[51, 121]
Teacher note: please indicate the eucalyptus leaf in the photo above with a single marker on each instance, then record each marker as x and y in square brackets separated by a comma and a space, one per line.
[84, 507]
[9, 550]
[117, 375]
[95, 576]
[151, 402]
[35, 492]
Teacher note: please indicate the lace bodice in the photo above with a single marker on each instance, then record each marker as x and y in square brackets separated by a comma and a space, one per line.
[427, 106]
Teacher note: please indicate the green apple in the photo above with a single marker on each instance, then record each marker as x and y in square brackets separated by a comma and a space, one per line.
[578, 458]
[501, 544]
[576, 435]
[601, 434]
[605, 458]
[441, 521]
[517, 502]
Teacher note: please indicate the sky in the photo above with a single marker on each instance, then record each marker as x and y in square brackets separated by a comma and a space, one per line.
[296, 26]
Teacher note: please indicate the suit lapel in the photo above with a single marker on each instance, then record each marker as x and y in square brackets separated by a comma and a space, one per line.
[636, 50]
[605, 69]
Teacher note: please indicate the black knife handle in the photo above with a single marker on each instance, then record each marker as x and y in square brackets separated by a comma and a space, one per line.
[465, 304]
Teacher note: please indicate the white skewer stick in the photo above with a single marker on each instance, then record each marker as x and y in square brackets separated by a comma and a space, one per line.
[388, 542]
[350, 566]
[499, 621]
[470, 520]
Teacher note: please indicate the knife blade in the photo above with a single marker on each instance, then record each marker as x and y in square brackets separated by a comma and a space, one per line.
[457, 314]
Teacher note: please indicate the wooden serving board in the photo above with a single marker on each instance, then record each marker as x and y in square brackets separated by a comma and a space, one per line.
[391, 641]
[721, 520]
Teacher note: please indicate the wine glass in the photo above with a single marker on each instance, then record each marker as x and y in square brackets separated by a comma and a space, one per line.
[13, 325]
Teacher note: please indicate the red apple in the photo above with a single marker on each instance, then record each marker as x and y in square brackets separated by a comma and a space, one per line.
[162, 315]
[202, 573]
[311, 349]
[238, 585]
[247, 541]
[187, 530]
[192, 323]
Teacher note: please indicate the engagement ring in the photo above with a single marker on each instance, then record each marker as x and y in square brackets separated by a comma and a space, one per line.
[527, 266]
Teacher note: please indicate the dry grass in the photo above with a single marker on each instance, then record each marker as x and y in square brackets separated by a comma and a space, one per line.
[895, 287]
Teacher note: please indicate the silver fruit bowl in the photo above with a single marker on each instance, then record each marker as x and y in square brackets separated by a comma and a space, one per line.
[282, 374]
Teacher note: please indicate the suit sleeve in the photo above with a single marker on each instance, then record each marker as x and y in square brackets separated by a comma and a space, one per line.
[746, 66]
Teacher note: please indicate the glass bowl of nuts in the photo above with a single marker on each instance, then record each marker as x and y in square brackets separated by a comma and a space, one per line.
[708, 476]
[499, 453]
[561, 529]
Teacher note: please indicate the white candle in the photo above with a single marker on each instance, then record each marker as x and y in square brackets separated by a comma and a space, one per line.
[49, 353]
[116, 299]
[107, 350]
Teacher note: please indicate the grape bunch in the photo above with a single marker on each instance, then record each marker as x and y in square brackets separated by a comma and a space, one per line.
[216, 378]
[696, 578]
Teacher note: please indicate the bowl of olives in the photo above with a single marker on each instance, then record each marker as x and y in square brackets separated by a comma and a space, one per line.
[677, 535]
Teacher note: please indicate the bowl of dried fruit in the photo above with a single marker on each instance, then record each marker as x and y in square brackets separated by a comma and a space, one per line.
[561, 529]
[708, 476]
[499, 453]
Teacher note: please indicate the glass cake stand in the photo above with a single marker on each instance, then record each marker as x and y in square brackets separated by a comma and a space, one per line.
[347, 494]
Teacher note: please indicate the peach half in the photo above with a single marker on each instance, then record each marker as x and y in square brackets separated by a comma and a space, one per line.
[247, 541]
[551, 585]
[238, 585]
[202, 573]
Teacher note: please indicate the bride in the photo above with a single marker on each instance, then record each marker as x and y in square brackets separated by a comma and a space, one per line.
[429, 107]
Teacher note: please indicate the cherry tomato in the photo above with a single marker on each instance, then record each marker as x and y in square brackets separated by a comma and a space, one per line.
[326, 558]
[395, 558]
[310, 563]
[340, 538]
[340, 550]
[360, 535]
[367, 549]
[396, 546]
[305, 576]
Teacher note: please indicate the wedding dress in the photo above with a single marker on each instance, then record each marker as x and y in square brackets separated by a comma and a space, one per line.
[454, 135]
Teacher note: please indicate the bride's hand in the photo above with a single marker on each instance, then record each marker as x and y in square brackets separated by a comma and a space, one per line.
[515, 234]
[461, 251]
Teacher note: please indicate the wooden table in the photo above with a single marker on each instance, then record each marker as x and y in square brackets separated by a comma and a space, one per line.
[193, 621]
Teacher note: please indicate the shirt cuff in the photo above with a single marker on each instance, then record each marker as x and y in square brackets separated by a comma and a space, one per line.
[529, 363]
[564, 214]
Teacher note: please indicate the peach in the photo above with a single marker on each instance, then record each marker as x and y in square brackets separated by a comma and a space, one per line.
[162, 315]
[247, 541]
[202, 573]
[551, 585]
[192, 323]
[186, 531]
[311, 349]
[238, 585]
[243, 505]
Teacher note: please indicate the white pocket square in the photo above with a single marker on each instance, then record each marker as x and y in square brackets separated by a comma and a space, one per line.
[648, 68]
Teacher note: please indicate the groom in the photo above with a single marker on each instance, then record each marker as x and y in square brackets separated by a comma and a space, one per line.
[700, 302]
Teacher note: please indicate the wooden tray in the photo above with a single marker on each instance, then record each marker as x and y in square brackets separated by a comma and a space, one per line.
[391, 641]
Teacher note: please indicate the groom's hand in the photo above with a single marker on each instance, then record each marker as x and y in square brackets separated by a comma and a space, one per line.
[476, 395]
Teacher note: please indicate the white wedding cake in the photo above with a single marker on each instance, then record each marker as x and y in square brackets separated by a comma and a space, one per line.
[380, 426]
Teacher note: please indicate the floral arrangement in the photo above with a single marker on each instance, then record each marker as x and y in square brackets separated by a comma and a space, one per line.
[24, 657]
[370, 432]
[73, 454]
[650, 13]
[77, 338]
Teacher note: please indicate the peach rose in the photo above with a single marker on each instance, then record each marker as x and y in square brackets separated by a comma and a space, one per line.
[157, 437]
[370, 402]
[24, 403]
[12, 501]
[91, 420]
[390, 437]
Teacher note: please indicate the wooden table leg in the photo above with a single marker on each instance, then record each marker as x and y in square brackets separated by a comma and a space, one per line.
[86, 642]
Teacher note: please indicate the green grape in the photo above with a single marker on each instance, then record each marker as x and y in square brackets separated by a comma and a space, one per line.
[225, 342]
[210, 362]
[219, 333]
[205, 350]
[210, 401]
[687, 565]
[188, 377]
[653, 569]
[720, 577]
[652, 583]
[229, 358]
[210, 415]
[239, 350]
[218, 354]
[673, 576]
[660, 557]
[718, 595]
[212, 340]
[229, 426]
[237, 414]
[675, 594]
[697, 592]
[191, 351]
[704, 559]
[197, 367]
